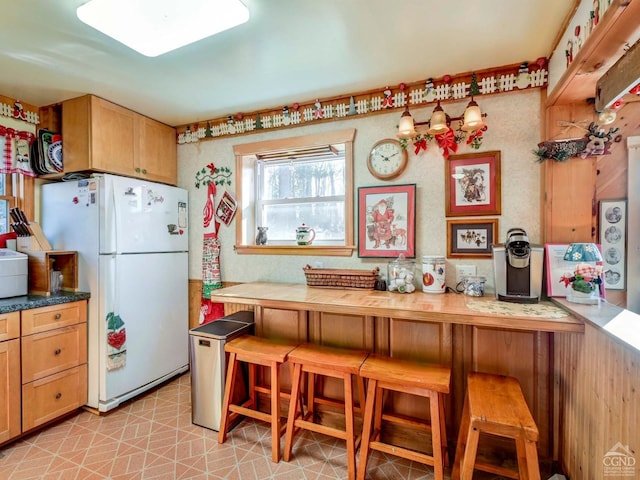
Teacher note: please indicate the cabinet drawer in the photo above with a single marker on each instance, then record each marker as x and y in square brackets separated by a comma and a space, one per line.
[42, 319]
[9, 326]
[50, 397]
[53, 351]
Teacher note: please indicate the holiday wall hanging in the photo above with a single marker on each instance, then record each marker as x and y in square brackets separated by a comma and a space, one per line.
[595, 142]
[211, 177]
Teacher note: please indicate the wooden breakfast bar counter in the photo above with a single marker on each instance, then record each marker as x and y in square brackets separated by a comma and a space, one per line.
[462, 332]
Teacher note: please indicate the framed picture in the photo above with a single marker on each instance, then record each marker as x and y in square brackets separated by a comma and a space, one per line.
[472, 184]
[387, 221]
[613, 238]
[557, 268]
[471, 238]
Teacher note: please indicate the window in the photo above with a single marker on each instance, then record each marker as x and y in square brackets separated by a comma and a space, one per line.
[285, 183]
[16, 190]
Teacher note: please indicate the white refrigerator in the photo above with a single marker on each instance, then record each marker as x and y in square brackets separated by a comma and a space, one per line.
[132, 241]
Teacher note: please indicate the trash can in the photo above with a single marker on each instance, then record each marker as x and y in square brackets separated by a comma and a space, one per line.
[207, 362]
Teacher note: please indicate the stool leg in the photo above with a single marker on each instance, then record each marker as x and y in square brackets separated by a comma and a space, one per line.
[377, 426]
[367, 425]
[228, 394]
[436, 432]
[252, 386]
[470, 452]
[311, 394]
[351, 436]
[521, 455]
[462, 436]
[532, 460]
[275, 412]
[443, 431]
[361, 396]
[291, 418]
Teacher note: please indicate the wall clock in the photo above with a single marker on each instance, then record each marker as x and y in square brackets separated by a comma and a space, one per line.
[387, 159]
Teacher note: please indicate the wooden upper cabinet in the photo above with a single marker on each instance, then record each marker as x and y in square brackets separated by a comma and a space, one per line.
[158, 156]
[101, 136]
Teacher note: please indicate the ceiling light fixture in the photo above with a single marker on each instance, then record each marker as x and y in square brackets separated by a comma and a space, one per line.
[439, 123]
[154, 27]
[471, 123]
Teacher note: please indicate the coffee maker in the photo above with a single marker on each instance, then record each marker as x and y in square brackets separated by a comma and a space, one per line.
[517, 267]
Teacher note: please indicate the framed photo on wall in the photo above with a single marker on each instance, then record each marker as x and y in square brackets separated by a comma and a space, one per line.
[613, 238]
[471, 238]
[472, 184]
[387, 221]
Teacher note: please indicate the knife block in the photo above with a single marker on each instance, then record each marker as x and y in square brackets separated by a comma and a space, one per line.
[37, 241]
[41, 264]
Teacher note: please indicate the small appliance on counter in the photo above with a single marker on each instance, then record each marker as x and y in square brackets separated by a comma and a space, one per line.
[517, 267]
[13, 273]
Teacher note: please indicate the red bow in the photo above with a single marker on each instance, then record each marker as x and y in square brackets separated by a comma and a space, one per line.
[420, 145]
[447, 142]
[473, 136]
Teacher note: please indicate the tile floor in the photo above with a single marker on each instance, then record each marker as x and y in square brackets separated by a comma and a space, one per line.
[153, 438]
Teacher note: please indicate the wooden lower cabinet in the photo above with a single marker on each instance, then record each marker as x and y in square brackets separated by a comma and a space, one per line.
[43, 371]
[9, 376]
[52, 396]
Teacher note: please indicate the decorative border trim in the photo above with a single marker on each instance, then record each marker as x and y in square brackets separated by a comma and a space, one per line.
[445, 89]
[15, 109]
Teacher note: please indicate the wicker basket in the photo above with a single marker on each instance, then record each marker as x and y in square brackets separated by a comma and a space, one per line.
[335, 278]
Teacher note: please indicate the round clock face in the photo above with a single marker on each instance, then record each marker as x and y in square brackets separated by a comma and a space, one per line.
[387, 159]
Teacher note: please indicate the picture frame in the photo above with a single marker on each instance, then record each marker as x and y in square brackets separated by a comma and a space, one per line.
[556, 267]
[613, 238]
[387, 221]
[473, 184]
[471, 238]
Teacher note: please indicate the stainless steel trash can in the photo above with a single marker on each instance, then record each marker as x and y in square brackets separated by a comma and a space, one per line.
[207, 362]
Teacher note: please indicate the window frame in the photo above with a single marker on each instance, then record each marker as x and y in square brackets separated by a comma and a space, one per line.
[19, 192]
[246, 158]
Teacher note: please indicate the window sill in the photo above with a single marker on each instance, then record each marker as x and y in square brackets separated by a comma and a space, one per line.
[313, 250]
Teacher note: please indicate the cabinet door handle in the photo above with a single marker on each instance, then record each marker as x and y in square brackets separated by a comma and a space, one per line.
[58, 316]
[57, 351]
[58, 396]
[137, 169]
[144, 171]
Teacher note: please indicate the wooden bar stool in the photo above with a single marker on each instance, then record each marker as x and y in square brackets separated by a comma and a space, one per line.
[430, 381]
[495, 405]
[329, 362]
[255, 351]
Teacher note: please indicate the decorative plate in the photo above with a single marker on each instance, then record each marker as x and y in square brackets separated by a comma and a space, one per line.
[55, 155]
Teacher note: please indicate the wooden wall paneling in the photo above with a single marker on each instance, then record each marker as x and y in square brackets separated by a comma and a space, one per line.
[283, 324]
[341, 330]
[598, 381]
[525, 356]
[195, 296]
[567, 215]
[422, 342]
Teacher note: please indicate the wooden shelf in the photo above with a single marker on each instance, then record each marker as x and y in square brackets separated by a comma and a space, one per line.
[618, 27]
[42, 263]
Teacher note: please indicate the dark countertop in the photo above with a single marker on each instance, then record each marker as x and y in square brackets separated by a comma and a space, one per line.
[26, 302]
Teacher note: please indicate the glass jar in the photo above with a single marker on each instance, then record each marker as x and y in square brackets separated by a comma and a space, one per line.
[401, 275]
[433, 274]
[474, 285]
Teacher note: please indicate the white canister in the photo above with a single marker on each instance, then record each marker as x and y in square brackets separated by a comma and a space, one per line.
[433, 274]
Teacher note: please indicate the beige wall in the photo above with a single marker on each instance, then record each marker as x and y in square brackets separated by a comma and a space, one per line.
[514, 126]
